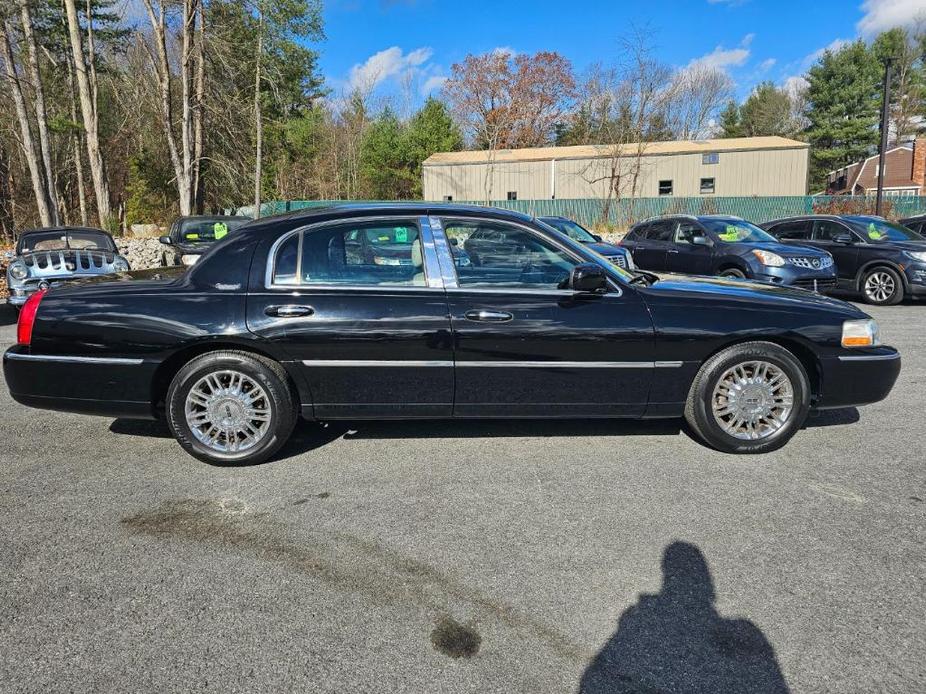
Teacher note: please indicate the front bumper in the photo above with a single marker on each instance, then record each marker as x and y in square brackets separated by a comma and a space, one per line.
[916, 278]
[793, 276]
[859, 377]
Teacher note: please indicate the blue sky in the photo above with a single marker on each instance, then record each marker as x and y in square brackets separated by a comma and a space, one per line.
[384, 42]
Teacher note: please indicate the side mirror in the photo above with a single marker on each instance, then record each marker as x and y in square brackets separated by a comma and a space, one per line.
[588, 278]
[701, 241]
[596, 237]
[165, 240]
[842, 238]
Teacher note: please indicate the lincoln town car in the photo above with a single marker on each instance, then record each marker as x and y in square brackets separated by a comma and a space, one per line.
[285, 318]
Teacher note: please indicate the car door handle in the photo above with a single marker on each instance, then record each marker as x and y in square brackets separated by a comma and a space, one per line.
[673, 250]
[289, 311]
[485, 316]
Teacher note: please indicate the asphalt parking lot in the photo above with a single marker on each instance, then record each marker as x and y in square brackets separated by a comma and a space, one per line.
[469, 556]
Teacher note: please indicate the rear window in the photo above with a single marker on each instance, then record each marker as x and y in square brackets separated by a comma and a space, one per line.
[64, 239]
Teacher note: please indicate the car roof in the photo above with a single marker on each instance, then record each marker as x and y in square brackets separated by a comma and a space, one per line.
[695, 217]
[211, 216]
[366, 209]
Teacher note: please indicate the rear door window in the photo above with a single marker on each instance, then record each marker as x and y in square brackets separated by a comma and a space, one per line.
[661, 231]
[827, 230]
[791, 230]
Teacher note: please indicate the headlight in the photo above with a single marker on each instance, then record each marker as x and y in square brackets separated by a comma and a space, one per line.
[120, 264]
[18, 270]
[189, 259]
[917, 255]
[768, 258]
[861, 333]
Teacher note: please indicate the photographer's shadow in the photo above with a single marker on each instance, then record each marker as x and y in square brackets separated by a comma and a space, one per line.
[675, 641]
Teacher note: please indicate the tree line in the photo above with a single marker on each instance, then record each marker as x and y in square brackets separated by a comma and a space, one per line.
[203, 105]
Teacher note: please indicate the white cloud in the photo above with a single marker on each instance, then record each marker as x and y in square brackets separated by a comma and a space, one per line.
[832, 47]
[432, 84]
[388, 63]
[767, 64]
[881, 15]
[722, 58]
[504, 50]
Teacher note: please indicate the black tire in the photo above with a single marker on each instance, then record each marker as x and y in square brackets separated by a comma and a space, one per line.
[874, 283]
[733, 272]
[699, 413]
[271, 378]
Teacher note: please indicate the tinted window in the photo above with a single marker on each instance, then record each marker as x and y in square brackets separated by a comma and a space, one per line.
[686, 232]
[828, 230]
[792, 230]
[660, 231]
[64, 239]
[508, 256]
[377, 254]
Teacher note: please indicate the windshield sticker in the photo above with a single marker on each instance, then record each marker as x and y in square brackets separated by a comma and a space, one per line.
[401, 235]
[192, 237]
[219, 230]
[873, 232]
[731, 234]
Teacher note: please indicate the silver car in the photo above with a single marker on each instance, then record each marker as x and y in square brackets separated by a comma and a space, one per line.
[46, 257]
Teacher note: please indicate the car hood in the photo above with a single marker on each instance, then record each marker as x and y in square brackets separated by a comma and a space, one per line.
[606, 248]
[704, 289]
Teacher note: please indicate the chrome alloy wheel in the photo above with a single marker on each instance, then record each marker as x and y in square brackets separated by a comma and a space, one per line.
[752, 400]
[879, 286]
[228, 411]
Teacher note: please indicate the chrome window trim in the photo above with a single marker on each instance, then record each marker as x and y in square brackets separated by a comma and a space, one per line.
[15, 356]
[870, 357]
[448, 257]
[444, 253]
[317, 226]
[430, 259]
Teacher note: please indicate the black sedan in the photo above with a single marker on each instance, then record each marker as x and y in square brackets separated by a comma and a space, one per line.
[278, 320]
[190, 237]
[882, 260]
[728, 247]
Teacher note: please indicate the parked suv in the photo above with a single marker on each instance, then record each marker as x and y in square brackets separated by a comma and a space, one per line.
[882, 260]
[614, 254]
[918, 224]
[190, 237]
[726, 246]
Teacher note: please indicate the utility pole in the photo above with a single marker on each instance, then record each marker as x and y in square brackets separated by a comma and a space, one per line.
[885, 127]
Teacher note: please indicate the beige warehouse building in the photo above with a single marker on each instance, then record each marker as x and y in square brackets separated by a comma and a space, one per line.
[748, 166]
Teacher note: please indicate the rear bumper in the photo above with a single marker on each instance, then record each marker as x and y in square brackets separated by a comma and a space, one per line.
[858, 378]
[107, 386]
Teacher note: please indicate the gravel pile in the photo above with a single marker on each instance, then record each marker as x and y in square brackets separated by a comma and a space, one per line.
[142, 253]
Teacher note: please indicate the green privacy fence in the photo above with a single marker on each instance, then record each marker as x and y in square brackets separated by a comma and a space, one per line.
[620, 214]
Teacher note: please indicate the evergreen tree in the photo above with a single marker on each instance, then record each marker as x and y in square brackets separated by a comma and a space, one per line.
[844, 98]
[730, 125]
[430, 130]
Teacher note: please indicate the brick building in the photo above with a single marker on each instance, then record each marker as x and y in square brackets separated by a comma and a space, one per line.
[904, 173]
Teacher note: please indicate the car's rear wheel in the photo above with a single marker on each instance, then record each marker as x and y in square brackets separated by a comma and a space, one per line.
[749, 398]
[882, 286]
[733, 272]
[231, 408]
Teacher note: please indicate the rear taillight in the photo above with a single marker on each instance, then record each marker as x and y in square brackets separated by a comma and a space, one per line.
[27, 317]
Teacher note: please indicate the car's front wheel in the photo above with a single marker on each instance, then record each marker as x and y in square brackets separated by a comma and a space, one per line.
[882, 286]
[749, 398]
[231, 408]
[733, 272]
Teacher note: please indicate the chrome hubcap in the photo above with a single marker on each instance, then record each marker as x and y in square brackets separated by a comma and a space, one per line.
[228, 411]
[752, 400]
[879, 286]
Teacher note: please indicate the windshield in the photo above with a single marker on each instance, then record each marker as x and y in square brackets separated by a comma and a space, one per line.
[65, 239]
[207, 230]
[881, 231]
[737, 231]
[571, 229]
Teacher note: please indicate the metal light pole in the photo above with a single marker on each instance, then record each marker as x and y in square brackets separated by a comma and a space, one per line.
[885, 126]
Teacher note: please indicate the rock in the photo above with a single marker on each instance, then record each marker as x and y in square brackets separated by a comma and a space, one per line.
[143, 253]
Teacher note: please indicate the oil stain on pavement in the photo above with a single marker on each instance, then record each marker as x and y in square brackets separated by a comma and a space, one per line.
[349, 563]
